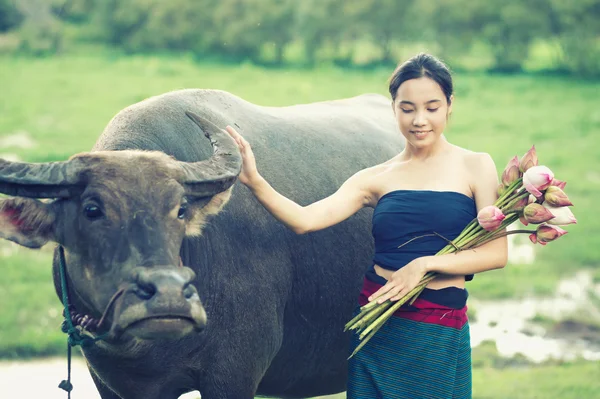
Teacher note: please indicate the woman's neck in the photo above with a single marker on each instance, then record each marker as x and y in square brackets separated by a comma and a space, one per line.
[424, 153]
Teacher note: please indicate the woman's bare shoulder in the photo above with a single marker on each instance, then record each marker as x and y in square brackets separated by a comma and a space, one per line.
[473, 159]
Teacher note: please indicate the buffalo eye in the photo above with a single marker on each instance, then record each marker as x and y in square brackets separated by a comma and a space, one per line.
[92, 212]
[182, 212]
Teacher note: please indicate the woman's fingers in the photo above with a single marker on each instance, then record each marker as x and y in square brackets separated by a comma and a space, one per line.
[385, 292]
[380, 291]
[403, 292]
[234, 134]
[390, 294]
[239, 139]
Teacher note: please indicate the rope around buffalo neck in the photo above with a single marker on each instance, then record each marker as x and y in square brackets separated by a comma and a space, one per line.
[75, 336]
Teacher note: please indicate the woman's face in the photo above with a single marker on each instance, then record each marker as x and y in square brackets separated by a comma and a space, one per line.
[421, 111]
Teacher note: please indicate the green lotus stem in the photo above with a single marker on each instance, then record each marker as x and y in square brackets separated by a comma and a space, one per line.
[369, 305]
[361, 314]
[514, 201]
[414, 298]
[492, 235]
[363, 343]
[376, 312]
[467, 230]
[373, 309]
[506, 233]
[366, 310]
[368, 314]
[468, 240]
[509, 190]
[383, 318]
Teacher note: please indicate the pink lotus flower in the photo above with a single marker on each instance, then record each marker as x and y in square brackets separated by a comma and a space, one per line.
[537, 178]
[511, 172]
[546, 233]
[562, 215]
[529, 160]
[558, 183]
[556, 197]
[536, 214]
[490, 217]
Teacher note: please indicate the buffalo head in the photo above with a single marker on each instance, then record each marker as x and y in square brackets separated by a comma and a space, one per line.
[121, 217]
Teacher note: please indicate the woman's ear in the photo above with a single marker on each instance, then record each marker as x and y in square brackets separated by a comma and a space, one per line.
[394, 106]
[450, 103]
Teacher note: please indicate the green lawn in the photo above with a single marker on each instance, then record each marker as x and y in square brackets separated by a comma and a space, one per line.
[577, 380]
[64, 103]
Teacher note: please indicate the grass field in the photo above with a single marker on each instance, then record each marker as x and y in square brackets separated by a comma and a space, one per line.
[567, 381]
[63, 104]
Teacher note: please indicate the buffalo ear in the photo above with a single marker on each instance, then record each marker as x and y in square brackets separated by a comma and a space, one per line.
[202, 209]
[26, 221]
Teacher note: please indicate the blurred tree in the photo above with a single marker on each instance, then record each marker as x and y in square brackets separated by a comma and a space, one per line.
[274, 23]
[576, 25]
[330, 30]
[450, 24]
[509, 27]
[41, 32]
[234, 29]
[240, 28]
[386, 22]
[321, 22]
[120, 20]
[10, 17]
[76, 10]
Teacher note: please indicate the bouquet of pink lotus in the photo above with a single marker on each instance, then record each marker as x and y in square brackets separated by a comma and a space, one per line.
[528, 192]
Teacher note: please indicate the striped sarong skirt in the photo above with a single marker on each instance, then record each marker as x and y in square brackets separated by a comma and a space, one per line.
[422, 351]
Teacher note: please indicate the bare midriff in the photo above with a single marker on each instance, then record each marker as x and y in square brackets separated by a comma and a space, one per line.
[441, 281]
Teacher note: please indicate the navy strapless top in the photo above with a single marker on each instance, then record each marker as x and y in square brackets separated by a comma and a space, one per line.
[402, 215]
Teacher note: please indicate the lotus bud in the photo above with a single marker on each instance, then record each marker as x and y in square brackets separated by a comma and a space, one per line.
[536, 214]
[558, 183]
[529, 160]
[546, 233]
[524, 221]
[556, 197]
[519, 205]
[562, 215]
[511, 172]
[490, 217]
[533, 238]
[537, 178]
[531, 199]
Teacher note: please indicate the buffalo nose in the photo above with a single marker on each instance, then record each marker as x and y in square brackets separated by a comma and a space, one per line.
[164, 282]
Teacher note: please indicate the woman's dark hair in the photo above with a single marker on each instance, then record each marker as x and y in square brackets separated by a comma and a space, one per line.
[422, 65]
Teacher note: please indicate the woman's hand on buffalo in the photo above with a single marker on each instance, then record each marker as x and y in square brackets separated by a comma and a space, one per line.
[249, 173]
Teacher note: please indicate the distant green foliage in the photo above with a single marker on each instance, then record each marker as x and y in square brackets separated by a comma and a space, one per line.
[10, 17]
[577, 27]
[343, 32]
[509, 27]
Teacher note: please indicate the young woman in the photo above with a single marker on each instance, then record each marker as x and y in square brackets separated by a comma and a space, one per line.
[431, 186]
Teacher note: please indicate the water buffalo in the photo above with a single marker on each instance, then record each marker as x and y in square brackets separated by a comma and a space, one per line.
[256, 309]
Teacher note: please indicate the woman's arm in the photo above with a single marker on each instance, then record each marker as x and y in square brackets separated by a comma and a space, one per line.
[492, 255]
[346, 201]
